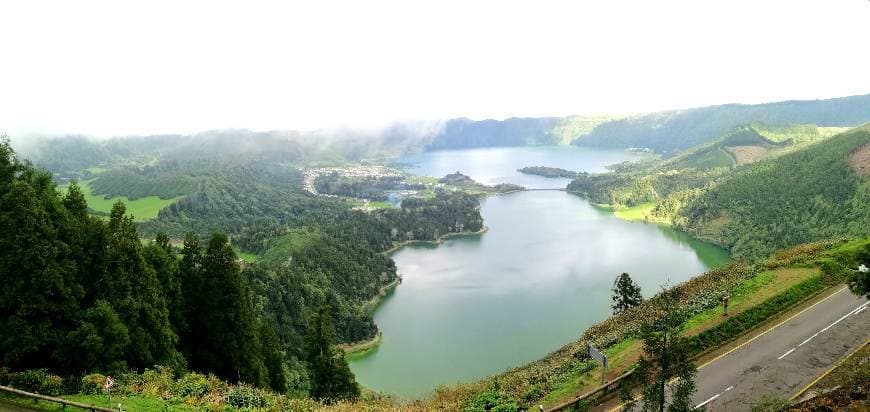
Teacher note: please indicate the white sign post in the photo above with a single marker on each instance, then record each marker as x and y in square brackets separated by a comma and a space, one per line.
[110, 382]
[599, 356]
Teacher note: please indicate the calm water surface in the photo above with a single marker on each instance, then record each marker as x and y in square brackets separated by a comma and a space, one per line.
[540, 275]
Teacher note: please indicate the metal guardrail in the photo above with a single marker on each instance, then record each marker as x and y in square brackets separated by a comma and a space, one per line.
[608, 388]
[64, 402]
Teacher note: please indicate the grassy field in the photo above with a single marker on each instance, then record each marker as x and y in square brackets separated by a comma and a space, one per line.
[639, 213]
[247, 257]
[129, 403]
[142, 209]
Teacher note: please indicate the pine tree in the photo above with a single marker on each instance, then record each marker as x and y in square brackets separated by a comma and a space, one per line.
[666, 356]
[626, 293]
[331, 378]
[191, 283]
[130, 285]
[40, 296]
[161, 258]
[229, 345]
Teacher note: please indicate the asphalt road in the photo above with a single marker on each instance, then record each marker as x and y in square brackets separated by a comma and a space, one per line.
[787, 357]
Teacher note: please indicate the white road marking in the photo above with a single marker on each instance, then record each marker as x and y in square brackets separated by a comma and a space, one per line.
[714, 397]
[855, 311]
[786, 354]
[844, 317]
[708, 400]
[808, 339]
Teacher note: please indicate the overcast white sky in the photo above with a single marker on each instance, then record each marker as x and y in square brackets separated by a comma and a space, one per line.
[123, 67]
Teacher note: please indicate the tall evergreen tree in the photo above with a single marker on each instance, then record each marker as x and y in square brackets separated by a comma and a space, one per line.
[229, 345]
[130, 285]
[191, 283]
[626, 293]
[40, 295]
[331, 378]
[666, 356]
[161, 258]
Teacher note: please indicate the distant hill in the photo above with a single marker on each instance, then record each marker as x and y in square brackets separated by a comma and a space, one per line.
[467, 133]
[681, 129]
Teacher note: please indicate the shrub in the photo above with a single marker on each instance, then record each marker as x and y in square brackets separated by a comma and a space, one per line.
[834, 271]
[491, 400]
[37, 380]
[93, 384]
[157, 382]
[191, 385]
[244, 396]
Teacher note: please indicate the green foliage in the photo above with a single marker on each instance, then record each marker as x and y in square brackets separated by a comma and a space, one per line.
[491, 400]
[191, 385]
[223, 334]
[770, 403]
[626, 293]
[665, 357]
[331, 378]
[93, 384]
[36, 380]
[548, 171]
[243, 396]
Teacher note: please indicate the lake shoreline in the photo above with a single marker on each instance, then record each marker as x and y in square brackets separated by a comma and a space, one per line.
[365, 345]
[441, 239]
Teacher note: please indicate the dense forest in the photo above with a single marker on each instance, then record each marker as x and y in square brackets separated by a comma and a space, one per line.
[673, 131]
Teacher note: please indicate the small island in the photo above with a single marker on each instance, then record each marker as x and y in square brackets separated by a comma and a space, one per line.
[548, 171]
[468, 184]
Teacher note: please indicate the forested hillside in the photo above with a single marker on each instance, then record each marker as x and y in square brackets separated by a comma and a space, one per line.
[807, 195]
[795, 190]
[678, 130]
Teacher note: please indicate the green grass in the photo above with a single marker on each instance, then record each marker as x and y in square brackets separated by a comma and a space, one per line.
[639, 212]
[142, 209]
[744, 290]
[129, 403]
[247, 257]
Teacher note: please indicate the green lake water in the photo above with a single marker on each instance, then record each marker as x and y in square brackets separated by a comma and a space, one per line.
[477, 305]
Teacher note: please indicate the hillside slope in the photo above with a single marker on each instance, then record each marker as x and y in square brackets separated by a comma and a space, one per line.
[799, 197]
[678, 130]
